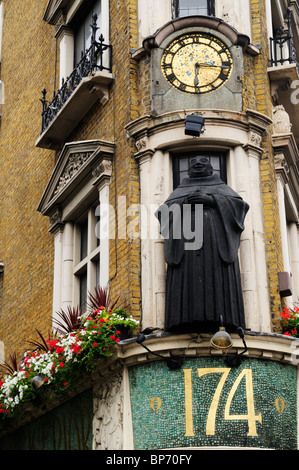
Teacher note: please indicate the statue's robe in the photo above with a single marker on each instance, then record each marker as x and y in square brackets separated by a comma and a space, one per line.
[204, 284]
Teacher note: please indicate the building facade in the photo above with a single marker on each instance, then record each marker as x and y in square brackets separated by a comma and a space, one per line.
[98, 156]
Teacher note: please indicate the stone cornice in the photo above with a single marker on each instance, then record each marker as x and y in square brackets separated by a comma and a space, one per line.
[167, 130]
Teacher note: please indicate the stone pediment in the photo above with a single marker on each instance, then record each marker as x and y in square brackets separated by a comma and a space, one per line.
[55, 9]
[79, 163]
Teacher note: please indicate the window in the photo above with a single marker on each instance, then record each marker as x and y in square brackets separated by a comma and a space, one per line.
[193, 7]
[82, 34]
[181, 163]
[86, 257]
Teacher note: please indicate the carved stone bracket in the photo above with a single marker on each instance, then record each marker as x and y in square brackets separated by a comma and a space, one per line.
[255, 138]
[55, 220]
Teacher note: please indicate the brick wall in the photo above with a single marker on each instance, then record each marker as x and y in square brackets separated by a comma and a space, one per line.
[258, 94]
[26, 247]
[108, 123]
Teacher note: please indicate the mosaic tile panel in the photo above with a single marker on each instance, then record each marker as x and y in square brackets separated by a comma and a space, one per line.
[67, 427]
[207, 403]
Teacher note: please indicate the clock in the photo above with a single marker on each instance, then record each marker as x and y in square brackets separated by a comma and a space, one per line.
[197, 63]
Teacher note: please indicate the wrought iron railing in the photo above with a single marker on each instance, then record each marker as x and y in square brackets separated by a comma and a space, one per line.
[91, 61]
[282, 48]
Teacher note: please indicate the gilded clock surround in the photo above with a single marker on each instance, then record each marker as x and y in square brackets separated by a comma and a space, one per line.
[197, 63]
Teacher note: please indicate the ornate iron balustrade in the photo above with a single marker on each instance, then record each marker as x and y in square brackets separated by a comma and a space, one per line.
[282, 46]
[91, 61]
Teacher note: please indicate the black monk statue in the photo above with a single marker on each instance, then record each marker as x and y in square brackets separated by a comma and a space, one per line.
[203, 277]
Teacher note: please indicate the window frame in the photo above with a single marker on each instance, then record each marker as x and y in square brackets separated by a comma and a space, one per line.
[89, 263]
[176, 8]
[204, 153]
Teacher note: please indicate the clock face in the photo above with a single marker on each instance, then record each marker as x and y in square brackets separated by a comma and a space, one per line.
[197, 63]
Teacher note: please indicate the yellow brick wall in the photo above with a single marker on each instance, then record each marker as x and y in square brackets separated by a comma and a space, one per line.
[26, 247]
[108, 123]
[257, 96]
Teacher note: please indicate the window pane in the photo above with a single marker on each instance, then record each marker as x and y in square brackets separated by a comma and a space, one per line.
[98, 273]
[83, 291]
[83, 32]
[190, 7]
[83, 240]
[181, 162]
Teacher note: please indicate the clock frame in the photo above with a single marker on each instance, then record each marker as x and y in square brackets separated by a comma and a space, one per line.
[197, 63]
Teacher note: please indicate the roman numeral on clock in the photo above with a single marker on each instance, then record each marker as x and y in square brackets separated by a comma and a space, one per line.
[171, 77]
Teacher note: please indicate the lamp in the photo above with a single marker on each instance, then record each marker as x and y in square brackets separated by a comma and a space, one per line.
[194, 125]
[173, 362]
[221, 339]
[38, 381]
[236, 359]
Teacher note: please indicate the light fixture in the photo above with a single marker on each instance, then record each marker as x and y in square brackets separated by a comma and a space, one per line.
[221, 339]
[236, 359]
[173, 362]
[194, 125]
[38, 381]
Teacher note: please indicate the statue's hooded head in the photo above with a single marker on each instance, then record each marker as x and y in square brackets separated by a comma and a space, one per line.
[200, 166]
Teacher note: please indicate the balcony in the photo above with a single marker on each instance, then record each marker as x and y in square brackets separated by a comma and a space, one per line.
[283, 71]
[88, 83]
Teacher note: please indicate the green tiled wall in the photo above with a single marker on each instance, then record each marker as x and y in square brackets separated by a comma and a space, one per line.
[206, 403]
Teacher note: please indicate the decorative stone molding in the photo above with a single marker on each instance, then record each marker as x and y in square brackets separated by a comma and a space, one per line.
[280, 163]
[255, 139]
[78, 164]
[286, 161]
[75, 162]
[55, 220]
[178, 24]
[103, 169]
[108, 414]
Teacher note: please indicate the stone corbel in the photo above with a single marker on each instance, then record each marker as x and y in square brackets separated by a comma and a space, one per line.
[102, 171]
[55, 220]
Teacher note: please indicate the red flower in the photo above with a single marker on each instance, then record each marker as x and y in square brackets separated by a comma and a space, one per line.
[61, 364]
[112, 337]
[52, 343]
[95, 345]
[117, 340]
[76, 348]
